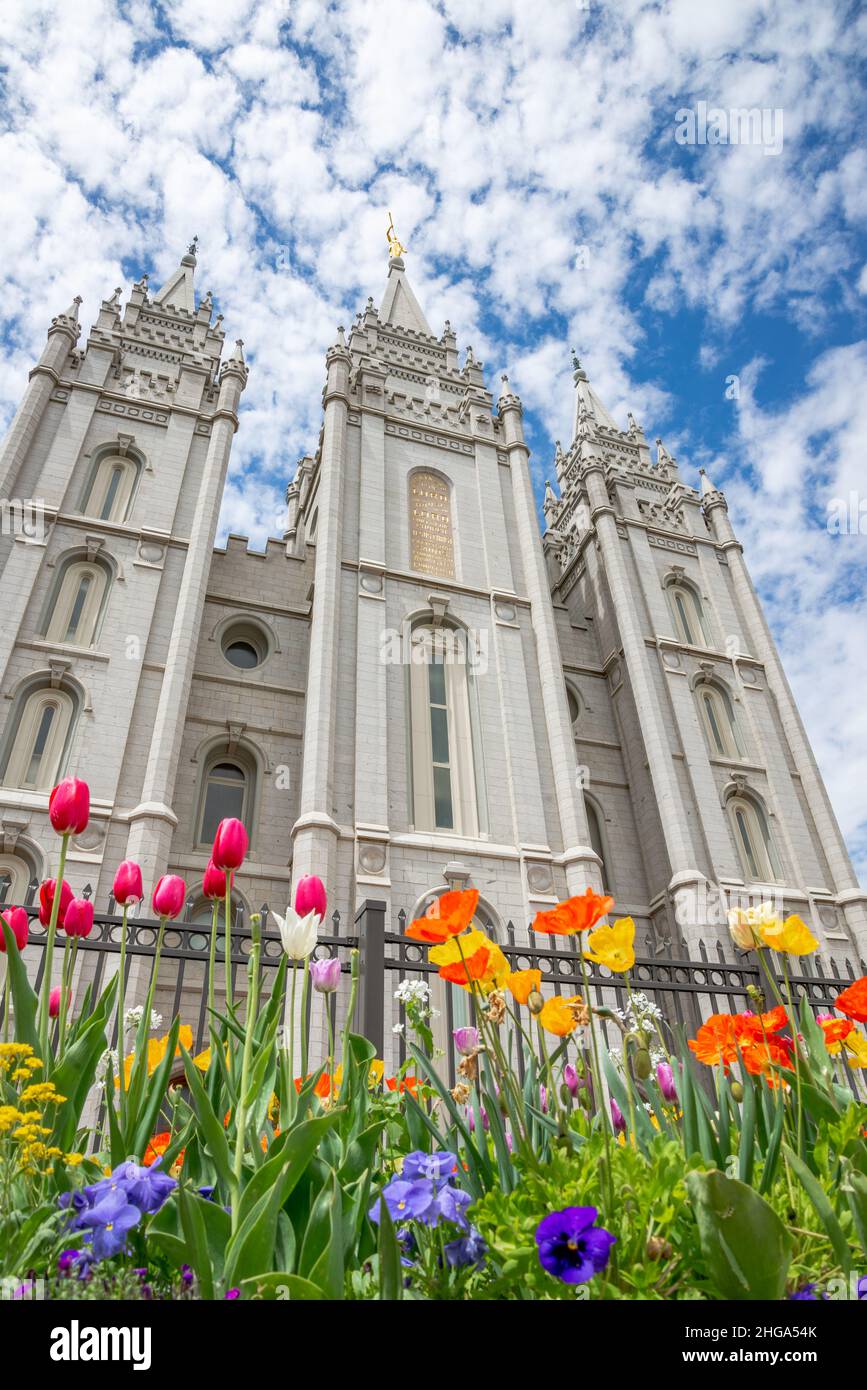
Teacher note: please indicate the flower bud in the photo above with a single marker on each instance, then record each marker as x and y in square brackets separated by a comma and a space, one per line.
[69, 806]
[310, 896]
[78, 920]
[169, 896]
[535, 1002]
[641, 1064]
[214, 882]
[230, 844]
[127, 886]
[737, 1091]
[325, 974]
[18, 923]
[658, 1249]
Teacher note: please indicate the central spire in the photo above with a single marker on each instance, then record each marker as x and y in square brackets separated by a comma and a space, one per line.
[399, 305]
[178, 291]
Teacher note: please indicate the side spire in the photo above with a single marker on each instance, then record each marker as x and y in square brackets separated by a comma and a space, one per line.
[589, 412]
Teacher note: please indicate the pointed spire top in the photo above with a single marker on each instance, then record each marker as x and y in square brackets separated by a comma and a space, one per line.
[706, 486]
[238, 351]
[178, 291]
[399, 305]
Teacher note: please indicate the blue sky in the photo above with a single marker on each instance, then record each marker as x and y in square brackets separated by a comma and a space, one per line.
[527, 150]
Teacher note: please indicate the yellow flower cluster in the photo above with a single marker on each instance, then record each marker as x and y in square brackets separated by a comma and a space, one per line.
[18, 1056]
[23, 1123]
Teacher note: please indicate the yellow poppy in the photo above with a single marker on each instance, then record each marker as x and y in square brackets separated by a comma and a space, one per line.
[558, 1014]
[471, 959]
[156, 1052]
[377, 1070]
[613, 946]
[523, 982]
[793, 937]
[856, 1049]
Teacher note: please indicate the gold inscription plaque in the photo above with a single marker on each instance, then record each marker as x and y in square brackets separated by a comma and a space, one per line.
[430, 525]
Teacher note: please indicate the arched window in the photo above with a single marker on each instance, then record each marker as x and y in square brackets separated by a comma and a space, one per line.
[16, 877]
[755, 845]
[596, 841]
[444, 770]
[688, 613]
[720, 724]
[110, 489]
[574, 706]
[77, 603]
[40, 737]
[226, 792]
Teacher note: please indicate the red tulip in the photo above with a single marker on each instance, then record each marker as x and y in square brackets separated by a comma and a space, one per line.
[170, 895]
[19, 924]
[230, 845]
[78, 920]
[214, 882]
[127, 887]
[46, 900]
[54, 1001]
[310, 896]
[69, 806]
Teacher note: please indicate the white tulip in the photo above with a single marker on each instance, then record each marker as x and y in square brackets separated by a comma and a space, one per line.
[298, 935]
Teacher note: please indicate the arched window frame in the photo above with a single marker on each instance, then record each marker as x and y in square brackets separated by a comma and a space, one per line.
[29, 728]
[18, 879]
[575, 705]
[720, 723]
[464, 764]
[687, 611]
[754, 841]
[62, 604]
[598, 838]
[240, 758]
[111, 485]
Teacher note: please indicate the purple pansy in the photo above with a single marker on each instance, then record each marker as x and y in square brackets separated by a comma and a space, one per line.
[146, 1188]
[437, 1167]
[110, 1222]
[466, 1250]
[571, 1247]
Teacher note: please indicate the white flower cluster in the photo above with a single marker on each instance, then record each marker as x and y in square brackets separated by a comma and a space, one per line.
[639, 1012]
[132, 1018]
[412, 992]
[108, 1059]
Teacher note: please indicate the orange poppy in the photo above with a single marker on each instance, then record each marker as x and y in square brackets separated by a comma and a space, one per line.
[716, 1041]
[448, 915]
[471, 959]
[557, 1015]
[760, 1057]
[322, 1087]
[523, 982]
[835, 1030]
[408, 1083]
[853, 1001]
[576, 914]
[157, 1146]
[757, 1025]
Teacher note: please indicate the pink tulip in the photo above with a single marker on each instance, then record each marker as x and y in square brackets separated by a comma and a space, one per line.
[572, 1079]
[665, 1077]
[127, 887]
[325, 975]
[69, 806]
[79, 917]
[230, 845]
[310, 896]
[54, 1001]
[18, 923]
[467, 1041]
[46, 900]
[170, 895]
[214, 882]
[617, 1117]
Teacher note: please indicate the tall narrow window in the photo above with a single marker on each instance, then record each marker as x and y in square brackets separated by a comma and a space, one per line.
[77, 604]
[39, 740]
[688, 614]
[110, 490]
[596, 841]
[719, 722]
[443, 763]
[225, 795]
[755, 846]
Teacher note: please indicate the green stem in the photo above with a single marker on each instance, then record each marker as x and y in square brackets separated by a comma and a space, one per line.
[291, 1093]
[305, 1040]
[597, 1083]
[241, 1117]
[212, 970]
[121, 1009]
[49, 955]
[327, 1001]
[61, 1013]
[227, 941]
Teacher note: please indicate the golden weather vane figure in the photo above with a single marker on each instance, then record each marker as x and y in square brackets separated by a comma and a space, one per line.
[395, 247]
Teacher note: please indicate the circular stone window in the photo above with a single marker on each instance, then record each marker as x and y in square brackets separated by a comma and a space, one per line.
[244, 646]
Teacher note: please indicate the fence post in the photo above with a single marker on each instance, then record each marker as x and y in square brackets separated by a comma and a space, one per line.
[370, 929]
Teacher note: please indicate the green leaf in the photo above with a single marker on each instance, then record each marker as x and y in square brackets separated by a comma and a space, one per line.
[743, 1240]
[747, 1146]
[321, 1259]
[195, 1236]
[855, 1188]
[211, 1127]
[154, 1096]
[390, 1268]
[23, 998]
[772, 1152]
[819, 1197]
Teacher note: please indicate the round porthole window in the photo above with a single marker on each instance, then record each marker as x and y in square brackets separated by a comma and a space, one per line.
[244, 646]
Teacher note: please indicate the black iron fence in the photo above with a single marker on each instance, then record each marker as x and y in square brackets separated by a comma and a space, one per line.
[685, 991]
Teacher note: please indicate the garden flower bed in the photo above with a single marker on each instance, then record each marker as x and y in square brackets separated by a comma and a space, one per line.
[732, 1165]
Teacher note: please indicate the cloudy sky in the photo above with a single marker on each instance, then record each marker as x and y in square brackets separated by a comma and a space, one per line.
[529, 152]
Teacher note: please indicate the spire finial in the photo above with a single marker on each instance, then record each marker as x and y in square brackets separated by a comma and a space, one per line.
[193, 246]
[396, 249]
